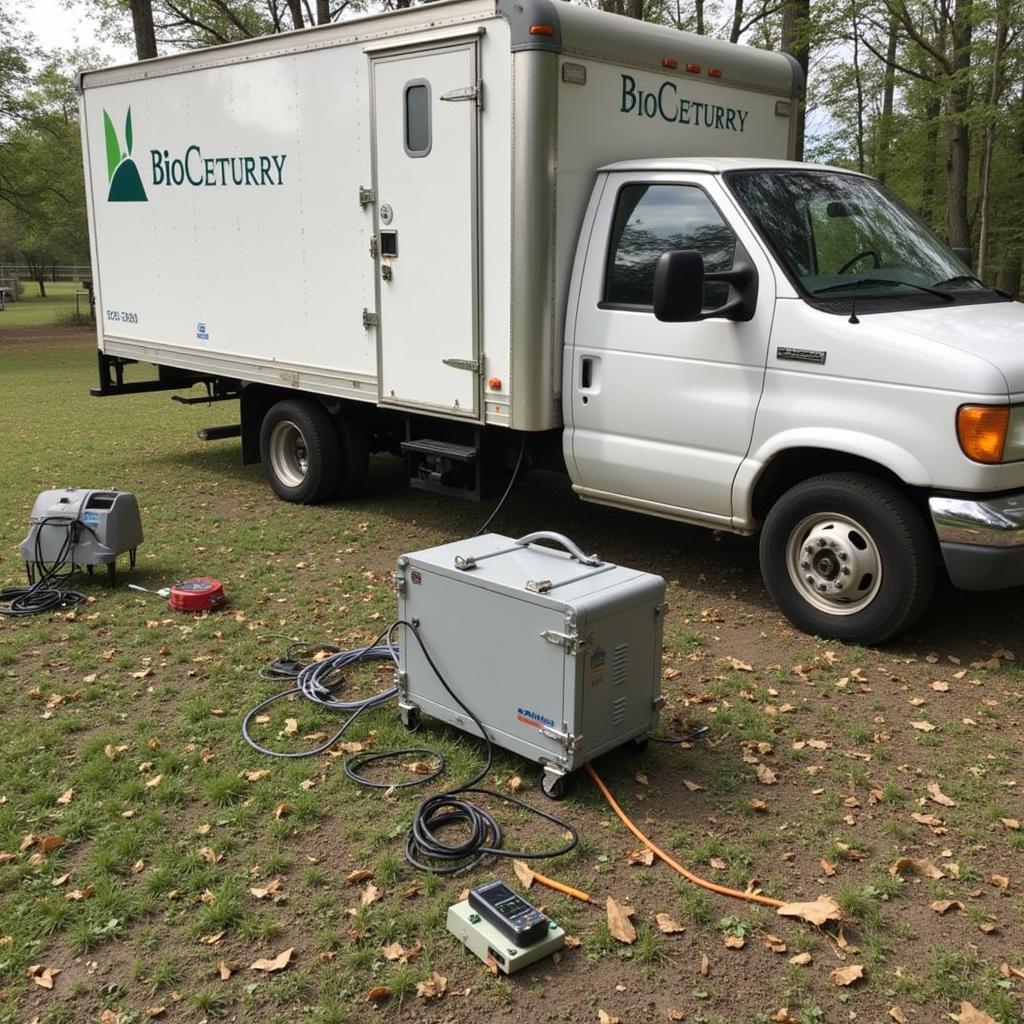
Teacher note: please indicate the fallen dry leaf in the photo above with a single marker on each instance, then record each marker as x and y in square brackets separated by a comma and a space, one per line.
[66, 797]
[209, 855]
[845, 976]
[923, 726]
[936, 794]
[827, 867]
[1010, 823]
[970, 1014]
[898, 1015]
[262, 892]
[766, 776]
[668, 925]
[734, 942]
[282, 811]
[523, 872]
[606, 1018]
[999, 881]
[642, 856]
[774, 943]
[255, 776]
[359, 875]
[369, 895]
[705, 965]
[641, 779]
[918, 866]
[514, 784]
[377, 993]
[225, 969]
[433, 988]
[801, 959]
[291, 726]
[619, 923]
[279, 962]
[942, 906]
[41, 975]
[817, 912]
[154, 782]
[77, 895]
[693, 787]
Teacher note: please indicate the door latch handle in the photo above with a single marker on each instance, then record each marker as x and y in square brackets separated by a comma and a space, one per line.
[586, 372]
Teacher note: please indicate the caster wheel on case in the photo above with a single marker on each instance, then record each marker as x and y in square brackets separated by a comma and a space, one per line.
[555, 786]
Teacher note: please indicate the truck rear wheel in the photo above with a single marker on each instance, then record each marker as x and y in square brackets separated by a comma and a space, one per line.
[847, 556]
[300, 451]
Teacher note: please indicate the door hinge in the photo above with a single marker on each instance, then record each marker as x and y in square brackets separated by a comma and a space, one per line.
[570, 641]
[367, 196]
[373, 246]
[568, 741]
[470, 92]
[473, 365]
[370, 319]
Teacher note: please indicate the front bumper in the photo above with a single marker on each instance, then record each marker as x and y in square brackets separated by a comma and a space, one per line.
[982, 541]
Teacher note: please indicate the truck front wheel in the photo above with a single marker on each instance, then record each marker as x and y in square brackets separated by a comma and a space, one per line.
[845, 555]
[300, 451]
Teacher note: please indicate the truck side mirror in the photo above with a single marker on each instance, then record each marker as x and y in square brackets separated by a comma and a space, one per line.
[679, 286]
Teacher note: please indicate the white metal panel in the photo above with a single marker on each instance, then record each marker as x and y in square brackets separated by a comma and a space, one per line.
[259, 251]
[426, 199]
[609, 118]
[669, 412]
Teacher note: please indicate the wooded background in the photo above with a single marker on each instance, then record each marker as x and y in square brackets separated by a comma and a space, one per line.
[926, 96]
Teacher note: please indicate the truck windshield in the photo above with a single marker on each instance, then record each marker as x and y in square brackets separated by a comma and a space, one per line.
[842, 235]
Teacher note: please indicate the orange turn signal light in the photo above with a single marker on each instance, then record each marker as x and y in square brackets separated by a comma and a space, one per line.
[981, 430]
[542, 30]
[494, 383]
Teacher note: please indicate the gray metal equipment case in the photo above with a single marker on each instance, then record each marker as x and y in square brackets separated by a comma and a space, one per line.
[556, 652]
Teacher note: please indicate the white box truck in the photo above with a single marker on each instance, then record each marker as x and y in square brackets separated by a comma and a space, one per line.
[480, 228]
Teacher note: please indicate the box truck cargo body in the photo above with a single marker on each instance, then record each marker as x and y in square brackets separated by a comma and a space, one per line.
[386, 210]
[490, 233]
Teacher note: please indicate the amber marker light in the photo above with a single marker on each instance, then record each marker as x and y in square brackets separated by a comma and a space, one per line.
[542, 30]
[669, 62]
[494, 383]
[981, 430]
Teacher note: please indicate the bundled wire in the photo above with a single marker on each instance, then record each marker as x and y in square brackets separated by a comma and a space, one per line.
[425, 847]
[43, 595]
[319, 682]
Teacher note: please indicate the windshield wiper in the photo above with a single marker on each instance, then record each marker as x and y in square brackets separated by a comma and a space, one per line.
[959, 279]
[878, 282]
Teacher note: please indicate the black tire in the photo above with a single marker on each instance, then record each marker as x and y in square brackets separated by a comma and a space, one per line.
[846, 555]
[300, 451]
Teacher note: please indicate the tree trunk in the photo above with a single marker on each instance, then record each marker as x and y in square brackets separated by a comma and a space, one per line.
[145, 34]
[323, 12]
[796, 41]
[699, 11]
[988, 147]
[295, 8]
[858, 80]
[737, 21]
[888, 92]
[931, 159]
[958, 155]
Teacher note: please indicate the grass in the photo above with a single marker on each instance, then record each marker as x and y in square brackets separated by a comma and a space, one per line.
[57, 307]
[173, 864]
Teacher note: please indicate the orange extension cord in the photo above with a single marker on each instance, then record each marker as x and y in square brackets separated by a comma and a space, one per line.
[722, 890]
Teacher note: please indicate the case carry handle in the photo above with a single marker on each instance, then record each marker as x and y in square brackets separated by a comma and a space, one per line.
[562, 541]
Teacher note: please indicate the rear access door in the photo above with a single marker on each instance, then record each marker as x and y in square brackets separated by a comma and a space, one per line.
[425, 108]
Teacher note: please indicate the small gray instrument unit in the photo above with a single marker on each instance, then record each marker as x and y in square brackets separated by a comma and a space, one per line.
[557, 653]
[81, 527]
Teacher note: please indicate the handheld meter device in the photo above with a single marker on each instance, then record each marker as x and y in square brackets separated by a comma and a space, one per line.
[509, 913]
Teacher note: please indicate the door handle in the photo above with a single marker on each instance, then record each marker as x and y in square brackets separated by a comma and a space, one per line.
[586, 372]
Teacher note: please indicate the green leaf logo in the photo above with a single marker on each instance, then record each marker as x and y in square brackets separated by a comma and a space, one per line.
[125, 182]
[113, 148]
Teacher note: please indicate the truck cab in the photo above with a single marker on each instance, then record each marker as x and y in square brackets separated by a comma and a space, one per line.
[775, 346]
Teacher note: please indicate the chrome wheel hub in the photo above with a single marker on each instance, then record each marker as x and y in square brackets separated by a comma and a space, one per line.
[834, 563]
[288, 455]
